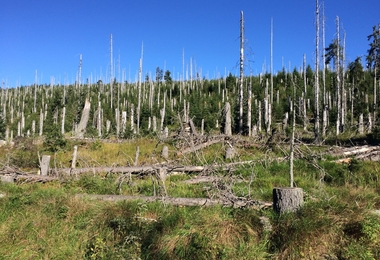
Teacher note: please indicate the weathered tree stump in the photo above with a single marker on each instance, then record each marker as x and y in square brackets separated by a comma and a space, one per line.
[227, 126]
[45, 165]
[165, 152]
[7, 179]
[230, 153]
[287, 199]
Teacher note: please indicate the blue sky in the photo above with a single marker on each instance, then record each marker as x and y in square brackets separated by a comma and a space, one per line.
[49, 36]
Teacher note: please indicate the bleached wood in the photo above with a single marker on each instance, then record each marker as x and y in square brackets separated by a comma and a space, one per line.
[81, 129]
[227, 126]
[74, 160]
[45, 162]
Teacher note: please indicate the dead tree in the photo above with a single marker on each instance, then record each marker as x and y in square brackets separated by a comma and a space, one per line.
[241, 79]
[139, 91]
[338, 79]
[111, 71]
[287, 199]
[45, 165]
[227, 125]
[81, 129]
[316, 87]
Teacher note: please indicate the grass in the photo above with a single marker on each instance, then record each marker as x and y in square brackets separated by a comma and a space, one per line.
[47, 221]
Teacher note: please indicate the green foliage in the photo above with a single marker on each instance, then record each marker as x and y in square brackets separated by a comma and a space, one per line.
[96, 145]
[25, 154]
[373, 57]
[93, 184]
[54, 140]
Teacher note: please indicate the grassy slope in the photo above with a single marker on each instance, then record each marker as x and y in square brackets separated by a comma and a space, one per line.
[46, 221]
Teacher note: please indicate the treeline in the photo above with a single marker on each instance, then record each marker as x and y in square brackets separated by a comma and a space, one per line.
[123, 109]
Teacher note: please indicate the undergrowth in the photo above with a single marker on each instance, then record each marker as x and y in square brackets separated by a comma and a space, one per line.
[47, 221]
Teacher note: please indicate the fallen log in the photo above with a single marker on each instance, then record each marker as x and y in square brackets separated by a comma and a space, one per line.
[360, 153]
[171, 169]
[26, 178]
[132, 169]
[180, 201]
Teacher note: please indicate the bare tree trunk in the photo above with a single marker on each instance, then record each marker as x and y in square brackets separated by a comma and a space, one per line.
[361, 124]
[63, 120]
[132, 117]
[374, 96]
[344, 96]
[154, 123]
[84, 120]
[249, 108]
[259, 117]
[271, 61]
[202, 126]
[35, 94]
[45, 165]
[227, 126]
[139, 91]
[137, 156]
[291, 157]
[316, 87]
[165, 152]
[41, 122]
[74, 160]
[99, 119]
[163, 113]
[111, 72]
[117, 121]
[123, 121]
[304, 75]
[338, 90]
[241, 73]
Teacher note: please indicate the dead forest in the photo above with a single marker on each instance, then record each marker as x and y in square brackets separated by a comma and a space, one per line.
[331, 102]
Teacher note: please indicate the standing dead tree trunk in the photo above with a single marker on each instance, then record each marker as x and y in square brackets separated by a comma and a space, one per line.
[139, 92]
[241, 73]
[227, 124]
[81, 129]
[338, 81]
[111, 72]
[316, 87]
[249, 108]
[45, 165]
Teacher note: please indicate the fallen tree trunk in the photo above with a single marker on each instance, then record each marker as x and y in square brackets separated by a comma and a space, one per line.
[180, 201]
[171, 169]
[26, 178]
[366, 152]
[132, 169]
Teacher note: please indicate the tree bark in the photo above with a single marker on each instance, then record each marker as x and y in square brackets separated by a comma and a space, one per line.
[45, 165]
[227, 125]
[316, 87]
[287, 199]
[84, 120]
[204, 202]
[241, 73]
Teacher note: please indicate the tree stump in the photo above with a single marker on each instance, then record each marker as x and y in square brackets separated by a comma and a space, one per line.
[287, 199]
[230, 153]
[7, 179]
[227, 125]
[45, 165]
[165, 152]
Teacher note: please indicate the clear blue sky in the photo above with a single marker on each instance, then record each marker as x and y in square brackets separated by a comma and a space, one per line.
[49, 36]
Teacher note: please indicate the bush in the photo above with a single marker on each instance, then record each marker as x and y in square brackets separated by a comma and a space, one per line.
[54, 140]
[25, 153]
